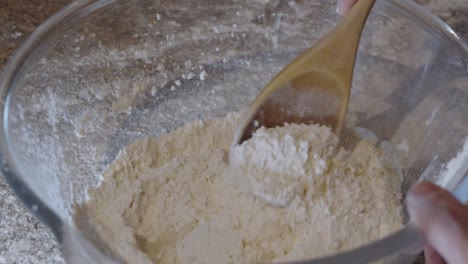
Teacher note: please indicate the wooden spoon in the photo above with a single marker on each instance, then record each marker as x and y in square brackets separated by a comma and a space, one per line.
[315, 87]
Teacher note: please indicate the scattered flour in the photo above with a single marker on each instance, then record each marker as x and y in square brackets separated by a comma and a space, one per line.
[190, 75]
[175, 199]
[202, 75]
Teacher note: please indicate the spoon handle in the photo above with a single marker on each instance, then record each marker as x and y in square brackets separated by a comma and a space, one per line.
[337, 51]
[350, 28]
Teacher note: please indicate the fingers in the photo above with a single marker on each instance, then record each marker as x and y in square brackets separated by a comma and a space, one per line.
[442, 220]
[344, 6]
[431, 256]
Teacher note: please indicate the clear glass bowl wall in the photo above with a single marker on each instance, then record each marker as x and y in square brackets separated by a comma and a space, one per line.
[102, 74]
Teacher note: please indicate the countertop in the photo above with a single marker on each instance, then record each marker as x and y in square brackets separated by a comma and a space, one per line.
[22, 238]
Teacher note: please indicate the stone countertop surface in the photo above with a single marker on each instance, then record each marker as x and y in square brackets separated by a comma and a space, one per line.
[22, 238]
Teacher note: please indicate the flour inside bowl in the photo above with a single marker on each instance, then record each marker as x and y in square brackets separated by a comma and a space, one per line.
[290, 194]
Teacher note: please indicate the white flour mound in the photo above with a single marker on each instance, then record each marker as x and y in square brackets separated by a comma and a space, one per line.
[289, 195]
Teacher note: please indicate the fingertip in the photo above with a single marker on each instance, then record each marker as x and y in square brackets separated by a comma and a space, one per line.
[431, 256]
[428, 193]
[424, 205]
[344, 5]
[441, 219]
[420, 192]
[424, 188]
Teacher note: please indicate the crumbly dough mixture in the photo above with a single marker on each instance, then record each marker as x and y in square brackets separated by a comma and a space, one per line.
[289, 195]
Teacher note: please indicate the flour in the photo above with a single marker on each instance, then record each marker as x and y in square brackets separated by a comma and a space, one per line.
[288, 195]
[280, 163]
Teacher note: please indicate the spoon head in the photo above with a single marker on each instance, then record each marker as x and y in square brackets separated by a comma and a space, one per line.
[313, 97]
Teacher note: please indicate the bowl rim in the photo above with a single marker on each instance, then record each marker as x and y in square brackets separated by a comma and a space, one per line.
[406, 237]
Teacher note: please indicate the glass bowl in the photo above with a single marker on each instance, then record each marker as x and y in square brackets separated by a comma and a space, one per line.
[100, 74]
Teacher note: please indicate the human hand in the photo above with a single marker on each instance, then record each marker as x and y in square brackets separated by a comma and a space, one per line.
[344, 6]
[443, 221]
